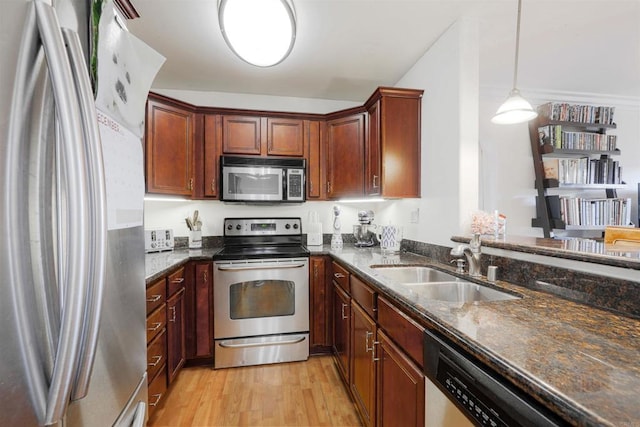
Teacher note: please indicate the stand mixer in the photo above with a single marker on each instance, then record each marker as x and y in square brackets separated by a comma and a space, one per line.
[365, 231]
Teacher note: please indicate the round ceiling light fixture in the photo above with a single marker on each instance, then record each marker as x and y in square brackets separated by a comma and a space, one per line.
[260, 32]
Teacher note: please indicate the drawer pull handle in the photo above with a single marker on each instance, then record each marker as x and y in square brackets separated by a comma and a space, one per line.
[178, 280]
[367, 335]
[157, 361]
[158, 397]
[155, 326]
[173, 314]
[339, 275]
[154, 298]
[343, 307]
[373, 352]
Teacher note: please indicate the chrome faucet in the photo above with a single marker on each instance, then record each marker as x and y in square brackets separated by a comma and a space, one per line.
[472, 253]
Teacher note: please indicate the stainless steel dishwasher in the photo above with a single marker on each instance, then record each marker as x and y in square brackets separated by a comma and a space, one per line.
[461, 391]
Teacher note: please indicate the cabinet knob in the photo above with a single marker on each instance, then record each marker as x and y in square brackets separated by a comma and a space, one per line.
[375, 184]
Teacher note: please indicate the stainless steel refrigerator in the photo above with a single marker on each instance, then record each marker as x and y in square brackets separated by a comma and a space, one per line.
[72, 288]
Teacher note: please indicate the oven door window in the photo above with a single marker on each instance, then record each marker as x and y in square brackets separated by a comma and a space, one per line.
[261, 298]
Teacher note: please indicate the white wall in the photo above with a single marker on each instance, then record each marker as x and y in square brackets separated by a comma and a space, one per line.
[449, 74]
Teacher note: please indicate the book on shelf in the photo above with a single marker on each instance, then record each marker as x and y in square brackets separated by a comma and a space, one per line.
[578, 211]
[550, 166]
[565, 112]
[558, 138]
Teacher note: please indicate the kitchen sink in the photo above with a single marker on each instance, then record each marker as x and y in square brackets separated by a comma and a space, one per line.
[458, 291]
[414, 274]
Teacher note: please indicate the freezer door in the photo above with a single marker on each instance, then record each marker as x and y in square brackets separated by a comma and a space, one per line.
[121, 357]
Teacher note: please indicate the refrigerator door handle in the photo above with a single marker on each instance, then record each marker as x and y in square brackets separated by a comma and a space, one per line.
[76, 269]
[97, 237]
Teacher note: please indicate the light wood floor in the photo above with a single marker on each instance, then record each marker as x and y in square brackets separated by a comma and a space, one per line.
[307, 393]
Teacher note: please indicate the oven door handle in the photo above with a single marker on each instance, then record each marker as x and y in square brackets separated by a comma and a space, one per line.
[258, 267]
[226, 344]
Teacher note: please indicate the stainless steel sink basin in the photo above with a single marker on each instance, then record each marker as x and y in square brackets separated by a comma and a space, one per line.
[414, 274]
[458, 291]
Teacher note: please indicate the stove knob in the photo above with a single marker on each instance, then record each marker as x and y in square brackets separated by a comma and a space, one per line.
[288, 226]
[295, 226]
[238, 227]
[229, 227]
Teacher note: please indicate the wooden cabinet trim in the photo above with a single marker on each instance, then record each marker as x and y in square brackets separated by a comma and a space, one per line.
[364, 295]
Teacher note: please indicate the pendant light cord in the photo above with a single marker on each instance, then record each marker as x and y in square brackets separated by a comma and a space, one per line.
[515, 68]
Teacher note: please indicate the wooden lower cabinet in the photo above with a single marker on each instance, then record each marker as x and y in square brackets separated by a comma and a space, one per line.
[341, 329]
[400, 397]
[379, 354]
[176, 351]
[363, 378]
[319, 304]
[199, 312]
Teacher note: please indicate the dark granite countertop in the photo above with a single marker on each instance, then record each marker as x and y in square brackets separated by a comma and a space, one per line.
[158, 264]
[627, 256]
[579, 361]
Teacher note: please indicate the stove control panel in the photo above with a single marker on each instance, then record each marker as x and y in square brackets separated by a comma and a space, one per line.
[262, 227]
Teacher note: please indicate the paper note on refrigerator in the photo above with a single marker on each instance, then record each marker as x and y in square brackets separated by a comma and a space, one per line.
[124, 169]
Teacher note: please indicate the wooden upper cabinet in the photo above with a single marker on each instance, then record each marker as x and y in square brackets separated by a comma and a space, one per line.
[372, 169]
[393, 143]
[313, 154]
[212, 152]
[169, 148]
[285, 137]
[241, 135]
[345, 156]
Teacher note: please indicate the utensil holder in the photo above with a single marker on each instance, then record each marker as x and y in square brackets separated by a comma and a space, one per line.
[195, 239]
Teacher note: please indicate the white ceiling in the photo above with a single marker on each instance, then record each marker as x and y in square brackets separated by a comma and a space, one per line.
[346, 48]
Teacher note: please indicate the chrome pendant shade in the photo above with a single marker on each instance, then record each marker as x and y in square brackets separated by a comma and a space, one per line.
[260, 32]
[515, 109]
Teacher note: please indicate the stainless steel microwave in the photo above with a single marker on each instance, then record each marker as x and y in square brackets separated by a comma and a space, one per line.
[262, 179]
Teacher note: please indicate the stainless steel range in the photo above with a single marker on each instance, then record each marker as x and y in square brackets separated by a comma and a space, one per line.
[261, 293]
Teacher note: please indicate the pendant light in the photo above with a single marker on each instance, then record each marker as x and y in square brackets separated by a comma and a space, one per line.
[515, 109]
[260, 32]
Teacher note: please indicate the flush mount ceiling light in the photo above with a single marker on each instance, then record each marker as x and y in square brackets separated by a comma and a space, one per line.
[260, 32]
[515, 109]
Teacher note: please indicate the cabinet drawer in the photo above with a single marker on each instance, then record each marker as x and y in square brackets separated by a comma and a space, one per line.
[156, 295]
[175, 281]
[341, 276]
[157, 353]
[157, 389]
[364, 295]
[156, 322]
[401, 329]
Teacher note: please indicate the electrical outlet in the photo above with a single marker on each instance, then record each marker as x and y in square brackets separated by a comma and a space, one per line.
[415, 216]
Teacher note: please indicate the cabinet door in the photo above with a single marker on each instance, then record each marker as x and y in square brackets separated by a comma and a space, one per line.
[341, 329]
[399, 129]
[313, 154]
[203, 300]
[241, 135]
[176, 352]
[319, 330]
[345, 157]
[212, 152]
[169, 149]
[400, 393]
[363, 379]
[372, 175]
[285, 137]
